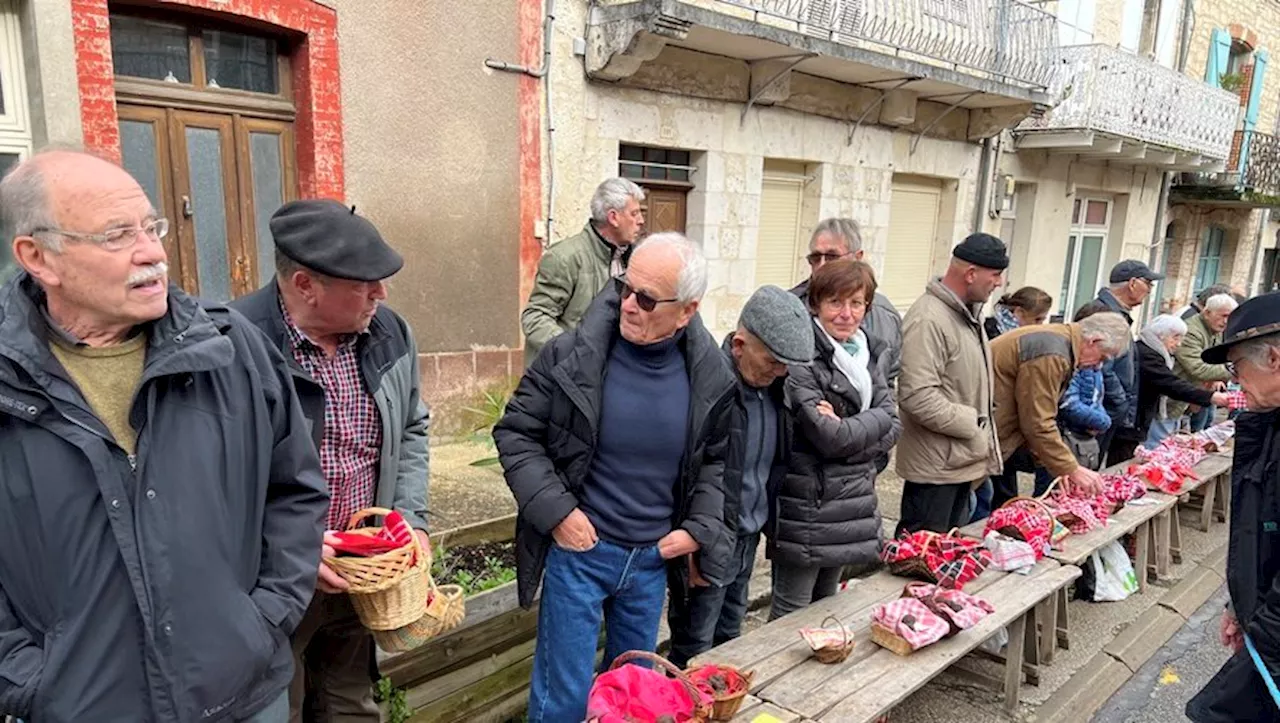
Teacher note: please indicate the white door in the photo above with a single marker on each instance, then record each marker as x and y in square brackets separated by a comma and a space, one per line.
[913, 229]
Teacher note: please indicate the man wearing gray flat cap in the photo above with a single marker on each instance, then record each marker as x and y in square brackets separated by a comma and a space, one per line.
[774, 331]
[355, 365]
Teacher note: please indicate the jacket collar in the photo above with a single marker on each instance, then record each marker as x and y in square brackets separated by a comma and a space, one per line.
[968, 313]
[775, 389]
[187, 339]
[1109, 300]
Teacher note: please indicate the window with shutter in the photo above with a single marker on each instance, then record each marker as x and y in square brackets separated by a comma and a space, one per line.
[779, 245]
[913, 230]
[1219, 57]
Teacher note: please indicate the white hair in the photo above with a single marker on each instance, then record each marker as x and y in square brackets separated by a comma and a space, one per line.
[1221, 302]
[1166, 326]
[845, 229]
[1259, 350]
[1111, 329]
[692, 283]
[612, 195]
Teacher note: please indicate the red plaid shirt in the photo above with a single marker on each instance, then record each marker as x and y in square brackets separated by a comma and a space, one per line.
[352, 439]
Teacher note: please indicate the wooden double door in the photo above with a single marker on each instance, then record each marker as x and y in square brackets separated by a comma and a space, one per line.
[218, 178]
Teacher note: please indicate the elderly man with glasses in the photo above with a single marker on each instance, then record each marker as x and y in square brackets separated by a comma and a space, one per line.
[614, 445]
[163, 500]
[840, 238]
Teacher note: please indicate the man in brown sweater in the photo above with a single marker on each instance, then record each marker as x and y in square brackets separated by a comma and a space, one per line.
[1032, 367]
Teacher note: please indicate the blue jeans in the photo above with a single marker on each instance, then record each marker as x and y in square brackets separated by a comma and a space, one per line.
[625, 587]
[982, 501]
[1201, 419]
[701, 618]
[1163, 428]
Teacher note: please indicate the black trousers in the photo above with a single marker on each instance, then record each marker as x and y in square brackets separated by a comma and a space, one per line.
[1004, 486]
[938, 507]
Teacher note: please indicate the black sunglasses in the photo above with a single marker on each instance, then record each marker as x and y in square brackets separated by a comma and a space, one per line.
[818, 256]
[643, 300]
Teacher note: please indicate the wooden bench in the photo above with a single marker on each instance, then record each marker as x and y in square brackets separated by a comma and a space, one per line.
[1214, 484]
[874, 680]
[1147, 521]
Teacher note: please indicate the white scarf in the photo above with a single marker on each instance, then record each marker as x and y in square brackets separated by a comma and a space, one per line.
[1149, 338]
[855, 368]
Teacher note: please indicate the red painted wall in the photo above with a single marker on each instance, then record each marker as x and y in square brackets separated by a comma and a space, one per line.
[529, 97]
[316, 89]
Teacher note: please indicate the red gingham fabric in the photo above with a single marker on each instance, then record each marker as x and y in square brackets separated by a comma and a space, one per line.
[1084, 514]
[953, 561]
[352, 438]
[1236, 400]
[1122, 487]
[1020, 521]
[912, 620]
[960, 608]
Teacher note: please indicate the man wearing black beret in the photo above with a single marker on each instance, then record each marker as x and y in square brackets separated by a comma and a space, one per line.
[355, 364]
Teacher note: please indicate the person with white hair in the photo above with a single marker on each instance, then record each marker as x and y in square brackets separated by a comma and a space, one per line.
[614, 446]
[1203, 331]
[574, 270]
[1032, 366]
[1156, 344]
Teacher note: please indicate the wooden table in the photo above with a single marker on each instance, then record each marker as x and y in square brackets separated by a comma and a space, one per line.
[873, 680]
[1214, 472]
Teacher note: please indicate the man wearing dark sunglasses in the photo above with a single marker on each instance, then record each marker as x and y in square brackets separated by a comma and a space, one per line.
[574, 270]
[614, 447]
[839, 238]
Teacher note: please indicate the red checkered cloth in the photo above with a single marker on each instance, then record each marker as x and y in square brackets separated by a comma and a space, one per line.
[395, 533]
[1120, 488]
[1079, 514]
[352, 439]
[912, 620]
[1236, 400]
[1022, 520]
[1170, 479]
[951, 561]
[960, 608]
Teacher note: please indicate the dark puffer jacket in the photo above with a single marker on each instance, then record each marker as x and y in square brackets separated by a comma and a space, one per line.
[825, 513]
[548, 435]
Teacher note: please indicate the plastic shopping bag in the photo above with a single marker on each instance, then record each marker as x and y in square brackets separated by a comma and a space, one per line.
[1113, 574]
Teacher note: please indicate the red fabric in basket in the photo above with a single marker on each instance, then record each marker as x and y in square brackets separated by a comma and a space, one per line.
[395, 534]
[1031, 525]
[635, 694]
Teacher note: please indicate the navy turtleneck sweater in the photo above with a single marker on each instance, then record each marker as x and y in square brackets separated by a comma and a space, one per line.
[644, 419]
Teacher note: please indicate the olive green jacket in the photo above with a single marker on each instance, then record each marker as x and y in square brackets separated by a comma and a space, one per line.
[1188, 365]
[570, 275]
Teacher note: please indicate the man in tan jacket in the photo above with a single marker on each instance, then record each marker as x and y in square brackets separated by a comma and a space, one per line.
[1033, 366]
[948, 443]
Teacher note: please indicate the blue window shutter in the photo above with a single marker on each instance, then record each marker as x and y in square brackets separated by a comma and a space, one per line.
[1256, 89]
[1219, 57]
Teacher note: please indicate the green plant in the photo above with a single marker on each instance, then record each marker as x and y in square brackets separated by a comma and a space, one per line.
[488, 409]
[398, 710]
[1232, 82]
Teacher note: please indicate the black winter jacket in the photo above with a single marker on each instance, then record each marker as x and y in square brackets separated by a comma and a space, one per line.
[161, 586]
[1157, 380]
[548, 435]
[1237, 691]
[825, 512]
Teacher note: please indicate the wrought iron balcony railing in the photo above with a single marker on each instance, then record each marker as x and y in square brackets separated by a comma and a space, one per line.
[1006, 39]
[1111, 91]
[1254, 164]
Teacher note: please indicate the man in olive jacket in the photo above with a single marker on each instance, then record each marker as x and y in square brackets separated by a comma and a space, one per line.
[614, 446]
[1203, 331]
[948, 443]
[573, 271]
[163, 506]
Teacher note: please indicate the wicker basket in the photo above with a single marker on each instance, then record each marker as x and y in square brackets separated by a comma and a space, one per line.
[724, 708]
[915, 567]
[886, 638]
[445, 611]
[833, 655]
[701, 711]
[388, 591]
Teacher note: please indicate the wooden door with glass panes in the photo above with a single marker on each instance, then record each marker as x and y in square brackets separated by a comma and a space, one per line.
[206, 128]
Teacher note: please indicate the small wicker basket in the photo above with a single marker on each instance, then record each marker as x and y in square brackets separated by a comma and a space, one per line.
[886, 638]
[725, 707]
[388, 591]
[835, 654]
[445, 611]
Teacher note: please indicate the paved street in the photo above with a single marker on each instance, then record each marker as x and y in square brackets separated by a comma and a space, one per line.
[1159, 692]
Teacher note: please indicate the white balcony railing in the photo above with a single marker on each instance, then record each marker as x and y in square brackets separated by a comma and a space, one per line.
[1110, 91]
[1007, 39]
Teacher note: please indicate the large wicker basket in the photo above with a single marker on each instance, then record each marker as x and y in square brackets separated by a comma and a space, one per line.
[445, 611]
[388, 591]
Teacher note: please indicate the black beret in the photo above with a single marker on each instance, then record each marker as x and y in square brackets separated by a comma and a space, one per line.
[983, 249]
[326, 236]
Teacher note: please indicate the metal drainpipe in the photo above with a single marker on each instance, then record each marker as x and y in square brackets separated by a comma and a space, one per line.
[984, 183]
[1155, 253]
[548, 23]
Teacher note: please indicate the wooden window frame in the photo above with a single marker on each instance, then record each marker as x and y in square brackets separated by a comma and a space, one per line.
[197, 96]
[15, 131]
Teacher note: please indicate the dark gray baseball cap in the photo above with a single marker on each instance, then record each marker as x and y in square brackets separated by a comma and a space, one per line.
[781, 322]
[1133, 269]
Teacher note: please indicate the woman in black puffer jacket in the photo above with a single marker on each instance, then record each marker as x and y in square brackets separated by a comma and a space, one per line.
[824, 515]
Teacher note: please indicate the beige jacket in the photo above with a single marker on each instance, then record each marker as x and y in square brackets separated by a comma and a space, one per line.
[944, 393]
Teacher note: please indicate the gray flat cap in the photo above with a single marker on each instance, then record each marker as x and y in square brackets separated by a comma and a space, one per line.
[779, 320]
